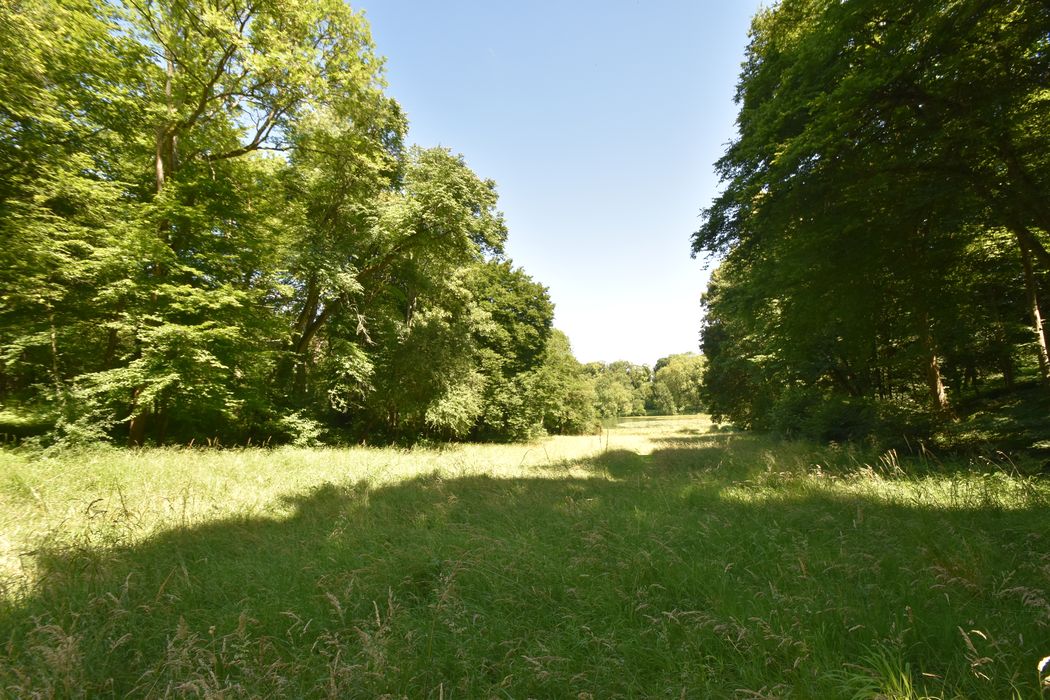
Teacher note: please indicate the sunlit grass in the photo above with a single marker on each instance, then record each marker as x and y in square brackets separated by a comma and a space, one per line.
[662, 558]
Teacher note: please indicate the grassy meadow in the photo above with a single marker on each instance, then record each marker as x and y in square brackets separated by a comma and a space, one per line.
[665, 558]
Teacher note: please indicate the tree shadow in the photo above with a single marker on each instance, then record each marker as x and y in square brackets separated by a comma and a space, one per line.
[719, 440]
[660, 574]
[1009, 421]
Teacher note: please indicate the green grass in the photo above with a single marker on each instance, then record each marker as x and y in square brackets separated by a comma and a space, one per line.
[663, 559]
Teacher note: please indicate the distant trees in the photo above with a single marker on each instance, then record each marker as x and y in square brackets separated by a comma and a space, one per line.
[677, 381]
[625, 389]
[621, 388]
[211, 227]
[883, 229]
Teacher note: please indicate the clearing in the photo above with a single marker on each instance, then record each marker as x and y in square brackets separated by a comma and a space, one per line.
[663, 558]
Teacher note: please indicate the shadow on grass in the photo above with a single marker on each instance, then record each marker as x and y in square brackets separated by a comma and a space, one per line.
[719, 439]
[664, 574]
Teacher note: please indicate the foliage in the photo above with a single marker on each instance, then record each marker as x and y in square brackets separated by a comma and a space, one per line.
[677, 380]
[213, 230]
[512, 337]
[621, 388]
[566, 393]
[882, 227]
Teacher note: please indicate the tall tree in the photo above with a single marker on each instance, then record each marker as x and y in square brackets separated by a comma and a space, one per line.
[511, 336]
[211, 227]
[677, 383]
[224, 83]
[65, 87]
[415, 301]
[564, 390]
[867, 172]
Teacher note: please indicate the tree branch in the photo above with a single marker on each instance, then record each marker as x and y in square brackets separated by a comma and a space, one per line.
[261, 134]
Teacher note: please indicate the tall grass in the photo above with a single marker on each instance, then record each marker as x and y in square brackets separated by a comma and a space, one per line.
[664, 558]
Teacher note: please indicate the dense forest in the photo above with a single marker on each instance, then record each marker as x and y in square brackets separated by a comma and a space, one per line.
[213, 229]
[885, 217]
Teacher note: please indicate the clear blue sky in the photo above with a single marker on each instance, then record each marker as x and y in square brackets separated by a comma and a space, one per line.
[600, 122]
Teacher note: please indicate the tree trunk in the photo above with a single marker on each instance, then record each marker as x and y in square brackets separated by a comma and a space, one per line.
[299, 376]
[159, 158]
[164, 158]
[160, 421]
[56, 370]
[139, 418]
[109, 357]
[1033, 305]
[1003, 352]
[934, 380]
[307, 336]
[165, 154]
[1027, 191]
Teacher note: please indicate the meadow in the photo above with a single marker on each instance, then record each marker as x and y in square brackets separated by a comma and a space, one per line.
[663, 558]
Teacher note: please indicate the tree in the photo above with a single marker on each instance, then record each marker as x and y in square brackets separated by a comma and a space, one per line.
[512, 337]
[866, 175]
[415, 302]
[222, 84]
[520, 311]
[212, 228]
[677, 382]
[622, 388]
[149, 123]
[65, 84]
[565, 392]
[663, 400]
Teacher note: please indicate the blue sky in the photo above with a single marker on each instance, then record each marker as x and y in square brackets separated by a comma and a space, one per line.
[600, 122]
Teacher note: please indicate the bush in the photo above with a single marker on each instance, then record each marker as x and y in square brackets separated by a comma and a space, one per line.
[843, 419]
[903, 421]
[300, 430]
[792, 412]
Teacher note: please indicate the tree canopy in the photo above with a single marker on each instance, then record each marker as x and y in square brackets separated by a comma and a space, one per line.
[212, 228]
[883, 228]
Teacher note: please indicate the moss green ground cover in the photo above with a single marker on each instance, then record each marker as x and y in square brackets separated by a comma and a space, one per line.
[663, 559]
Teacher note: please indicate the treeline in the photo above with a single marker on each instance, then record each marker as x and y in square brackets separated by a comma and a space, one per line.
[885, 218]
[671, 387]
[212, 228]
